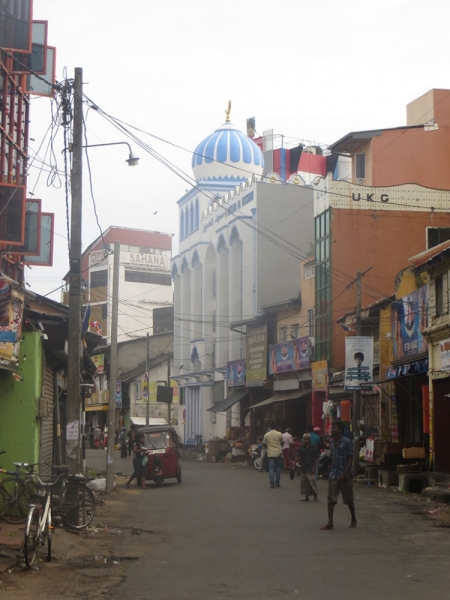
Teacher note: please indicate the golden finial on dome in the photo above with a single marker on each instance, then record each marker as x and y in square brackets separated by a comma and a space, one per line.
[227, 112]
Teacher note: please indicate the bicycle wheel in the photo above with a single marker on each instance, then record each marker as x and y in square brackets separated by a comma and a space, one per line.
[31, 537]
[77, 508]
[15, 500]
[49, 535]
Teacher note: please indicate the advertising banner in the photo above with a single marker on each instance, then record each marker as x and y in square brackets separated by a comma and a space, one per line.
[291, 355]
[409, 318]
[176, 391]
[444, 349]
[11, 317]
[99, 362]
[235, 372]
[358, 362]
[118, 394]
[256, 361]
[319, 373]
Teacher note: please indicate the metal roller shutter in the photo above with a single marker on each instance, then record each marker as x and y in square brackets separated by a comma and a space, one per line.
[46, 416]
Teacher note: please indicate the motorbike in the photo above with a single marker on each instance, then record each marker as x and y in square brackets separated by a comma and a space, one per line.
[324, 464]
[257, 461]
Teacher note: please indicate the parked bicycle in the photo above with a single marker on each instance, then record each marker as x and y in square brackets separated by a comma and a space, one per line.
[15, 492]
[39, 527]
[73, 501]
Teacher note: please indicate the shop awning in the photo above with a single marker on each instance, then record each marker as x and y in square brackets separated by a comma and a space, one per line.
[230, 401]
[282, 397]
[141, 421]
[94, 407]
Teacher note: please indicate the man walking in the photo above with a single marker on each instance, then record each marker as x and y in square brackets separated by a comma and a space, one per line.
[273, 441]
[287, 450]
[340, 478]
[309, 455]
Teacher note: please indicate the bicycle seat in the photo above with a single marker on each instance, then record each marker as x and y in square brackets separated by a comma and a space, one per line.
[23, 465]
[60, 469]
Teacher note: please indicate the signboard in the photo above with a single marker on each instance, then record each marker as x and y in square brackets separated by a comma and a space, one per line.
[176, 391]
[11, 316]
[157, 261]
[118, 393]
[256, 361]
[319, 372]
[409, 318]
[289, 356]
[99, 362]
[235, 372]
[358, 362]
[444, 349]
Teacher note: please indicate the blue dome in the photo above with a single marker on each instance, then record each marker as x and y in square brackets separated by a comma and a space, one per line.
[227, 154]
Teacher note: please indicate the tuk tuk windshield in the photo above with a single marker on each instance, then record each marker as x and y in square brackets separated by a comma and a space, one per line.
[158, 439]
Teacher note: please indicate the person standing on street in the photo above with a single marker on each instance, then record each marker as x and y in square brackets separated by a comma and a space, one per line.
[309, 455]
[273, 441]
[287, 450]
[97, 437]
[131, 435]
[139, 462]
[123, 443]
[340, 478]
[315, 439]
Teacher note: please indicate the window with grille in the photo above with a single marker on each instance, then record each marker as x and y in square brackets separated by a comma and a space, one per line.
[99, 278]
[310, 321]
[145, 277]
[360, 165]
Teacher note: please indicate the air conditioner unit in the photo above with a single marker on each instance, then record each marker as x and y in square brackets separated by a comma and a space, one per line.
[43, 407]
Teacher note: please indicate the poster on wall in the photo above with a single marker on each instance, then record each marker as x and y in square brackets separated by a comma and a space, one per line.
[235, 372]
[319, 374]
[409, 318]
[291, 355]
[99, 362]
[11, 317]
[358, 362]
[118, 394]
[444, 350]
[256, 361]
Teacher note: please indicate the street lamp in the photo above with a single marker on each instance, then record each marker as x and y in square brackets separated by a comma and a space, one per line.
[131, 160]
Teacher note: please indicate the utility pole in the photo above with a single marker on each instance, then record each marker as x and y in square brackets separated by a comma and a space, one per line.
[73, 401]
[113, 372]
[356, 416]
[169, 404]
[147, 406]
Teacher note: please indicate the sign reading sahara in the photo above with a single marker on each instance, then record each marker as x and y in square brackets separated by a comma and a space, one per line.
[444, 349]
[235, 372]
[256, 361]
[319, 373]
[291, 355]
[358, 362]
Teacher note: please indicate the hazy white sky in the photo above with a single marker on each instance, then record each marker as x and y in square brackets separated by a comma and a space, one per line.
[309, 69]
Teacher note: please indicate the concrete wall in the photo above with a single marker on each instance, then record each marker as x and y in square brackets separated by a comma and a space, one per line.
[285, 211]
[383, 240]
[131, 354]
[19, 425]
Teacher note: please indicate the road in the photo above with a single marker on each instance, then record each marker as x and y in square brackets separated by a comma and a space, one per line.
[223, 533]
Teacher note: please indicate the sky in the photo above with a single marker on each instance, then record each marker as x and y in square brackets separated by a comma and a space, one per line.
[310, 70]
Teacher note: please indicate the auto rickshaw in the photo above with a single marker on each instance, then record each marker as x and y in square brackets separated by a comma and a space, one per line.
[163, 453]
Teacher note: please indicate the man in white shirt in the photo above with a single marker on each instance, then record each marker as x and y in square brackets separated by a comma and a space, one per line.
[273, 441]
[287, 450]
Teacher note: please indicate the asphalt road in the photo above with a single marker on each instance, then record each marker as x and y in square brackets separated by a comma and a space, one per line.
[223, 533]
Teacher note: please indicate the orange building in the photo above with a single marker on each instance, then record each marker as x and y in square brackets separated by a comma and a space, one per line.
[416, 153]
[395, 204]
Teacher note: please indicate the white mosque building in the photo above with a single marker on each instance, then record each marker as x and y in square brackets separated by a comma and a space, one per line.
[241, 236]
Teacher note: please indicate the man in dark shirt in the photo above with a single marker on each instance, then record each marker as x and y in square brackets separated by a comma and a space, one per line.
[340, 478]
[308, 454]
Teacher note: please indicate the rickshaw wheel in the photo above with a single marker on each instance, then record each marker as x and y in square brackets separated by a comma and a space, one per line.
[158, 481]
[179, 477]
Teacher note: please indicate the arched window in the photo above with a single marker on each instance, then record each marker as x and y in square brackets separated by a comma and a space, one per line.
[197, 214]
[192, 218]
[186, 223]
[181, 224]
